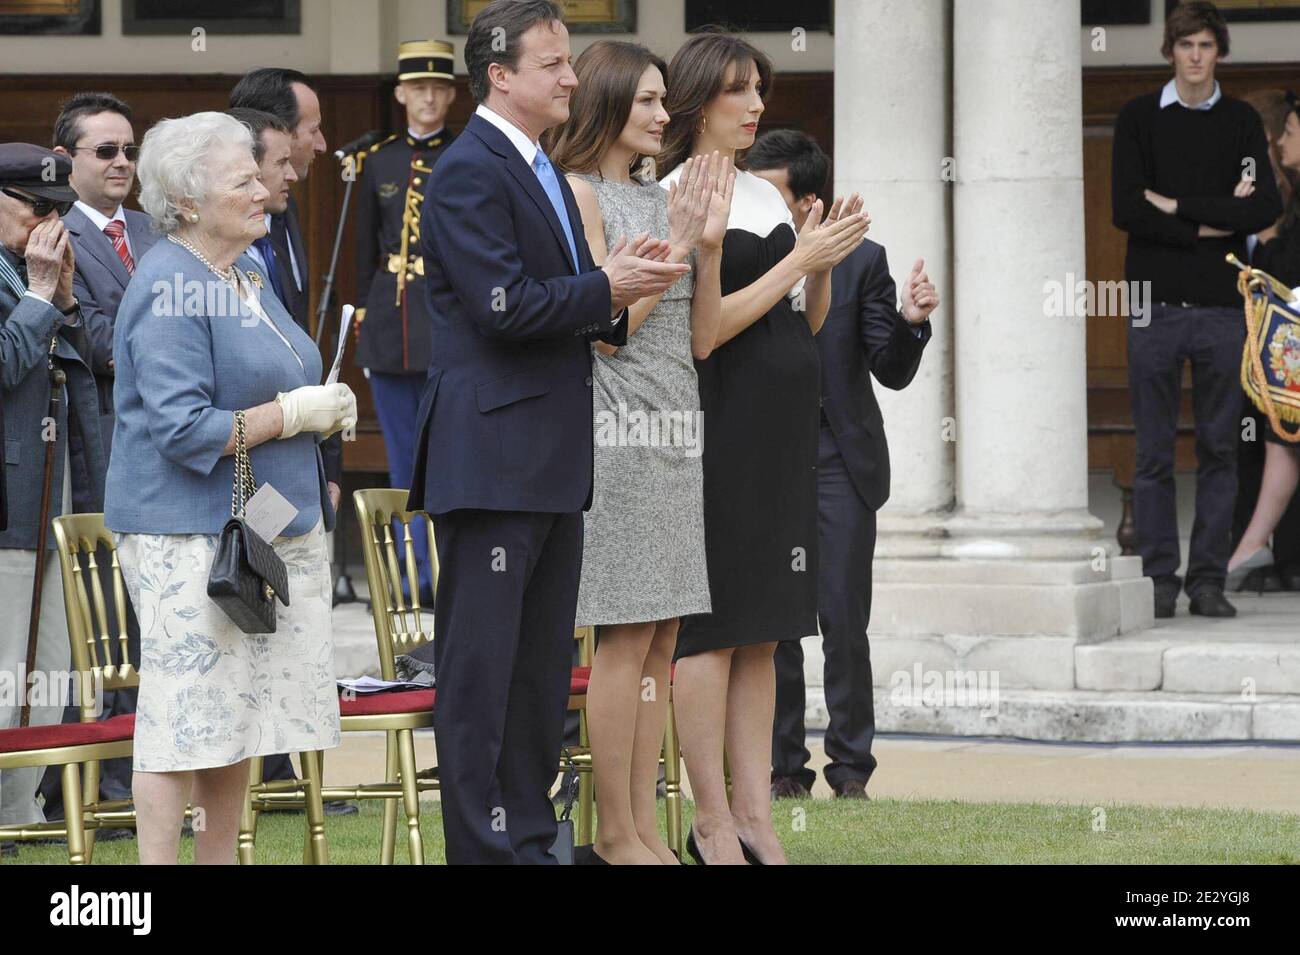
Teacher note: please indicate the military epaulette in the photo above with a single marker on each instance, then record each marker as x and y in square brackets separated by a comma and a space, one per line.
[360, 158]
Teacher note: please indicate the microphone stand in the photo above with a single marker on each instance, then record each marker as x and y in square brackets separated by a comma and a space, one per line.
[344, 591]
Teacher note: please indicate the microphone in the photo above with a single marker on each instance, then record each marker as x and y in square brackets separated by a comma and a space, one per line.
[358, 145]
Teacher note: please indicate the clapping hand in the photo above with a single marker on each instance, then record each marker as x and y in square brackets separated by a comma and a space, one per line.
[824, 243]
[688, 203]
[919, 295]
[719, 205]
[638, 268]
[50, 262]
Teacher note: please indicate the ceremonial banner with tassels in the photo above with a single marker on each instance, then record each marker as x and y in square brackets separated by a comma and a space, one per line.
[1270, 362]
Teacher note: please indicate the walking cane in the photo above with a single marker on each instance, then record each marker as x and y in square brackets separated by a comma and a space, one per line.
[57, 381]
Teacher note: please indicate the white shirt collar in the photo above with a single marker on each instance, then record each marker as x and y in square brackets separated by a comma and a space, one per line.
[527, 148]
[1169, 96]
[98, 218]
[417, 137]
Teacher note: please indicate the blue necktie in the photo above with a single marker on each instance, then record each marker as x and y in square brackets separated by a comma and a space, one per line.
[263, 245]
[546, 175]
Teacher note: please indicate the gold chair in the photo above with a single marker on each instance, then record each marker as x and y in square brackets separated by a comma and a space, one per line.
[401, 625]
[74, 745]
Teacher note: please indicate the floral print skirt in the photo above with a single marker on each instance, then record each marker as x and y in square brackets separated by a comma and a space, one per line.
[210, 694]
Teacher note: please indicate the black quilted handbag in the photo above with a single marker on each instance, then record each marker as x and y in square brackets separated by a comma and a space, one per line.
[247, 574]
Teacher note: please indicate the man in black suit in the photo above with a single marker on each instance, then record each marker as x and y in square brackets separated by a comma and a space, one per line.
[865, 333]
[504, 435]
[286, 96]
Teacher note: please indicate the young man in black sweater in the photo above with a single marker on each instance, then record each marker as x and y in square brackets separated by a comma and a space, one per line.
[1191, 180]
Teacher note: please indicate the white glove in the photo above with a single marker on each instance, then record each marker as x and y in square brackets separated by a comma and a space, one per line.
[321, 408]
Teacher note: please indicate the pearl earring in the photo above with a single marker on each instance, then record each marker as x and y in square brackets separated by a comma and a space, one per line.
[194, 217]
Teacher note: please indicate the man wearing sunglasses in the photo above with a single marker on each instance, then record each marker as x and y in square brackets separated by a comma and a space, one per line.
[94, 131]
[40, 327]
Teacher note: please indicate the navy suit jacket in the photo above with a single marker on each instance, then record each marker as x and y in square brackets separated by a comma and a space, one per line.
[298, 305]
[865, 334]
[505, 422]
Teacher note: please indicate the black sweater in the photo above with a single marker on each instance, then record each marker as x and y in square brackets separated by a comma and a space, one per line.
[1196, 157]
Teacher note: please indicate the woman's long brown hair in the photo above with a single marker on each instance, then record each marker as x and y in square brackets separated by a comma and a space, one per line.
[1273, 108]
[695, 76]
[609, 72]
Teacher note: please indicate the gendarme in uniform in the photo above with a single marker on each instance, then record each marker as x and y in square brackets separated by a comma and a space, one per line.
[394, 333]
[393, 340]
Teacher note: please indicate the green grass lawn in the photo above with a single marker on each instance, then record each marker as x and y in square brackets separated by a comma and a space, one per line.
[881, 831]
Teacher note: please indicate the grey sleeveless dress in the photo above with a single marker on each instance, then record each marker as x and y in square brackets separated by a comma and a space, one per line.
[643, 549]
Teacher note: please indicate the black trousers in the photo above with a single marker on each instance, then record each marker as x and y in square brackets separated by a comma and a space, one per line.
[846, 530]
[507, 598]
[1211, 339]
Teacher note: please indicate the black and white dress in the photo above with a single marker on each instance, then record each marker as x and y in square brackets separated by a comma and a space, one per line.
[759, 397]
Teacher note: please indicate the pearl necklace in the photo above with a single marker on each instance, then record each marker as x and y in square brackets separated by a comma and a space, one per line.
[225, 275]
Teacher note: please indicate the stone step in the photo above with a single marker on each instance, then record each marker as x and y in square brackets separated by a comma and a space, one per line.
[1084, 715]
[1188, 666]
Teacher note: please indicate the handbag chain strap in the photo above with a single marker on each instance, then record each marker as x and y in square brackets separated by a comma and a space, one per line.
[244, 484]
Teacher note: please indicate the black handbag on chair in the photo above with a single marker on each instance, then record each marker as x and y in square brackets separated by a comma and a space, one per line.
[247, 574]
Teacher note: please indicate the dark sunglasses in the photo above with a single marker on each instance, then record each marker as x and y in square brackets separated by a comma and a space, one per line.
[41, 207]
[107, 151]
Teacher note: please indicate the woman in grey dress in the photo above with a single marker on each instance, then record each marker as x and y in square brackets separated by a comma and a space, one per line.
[643, 561]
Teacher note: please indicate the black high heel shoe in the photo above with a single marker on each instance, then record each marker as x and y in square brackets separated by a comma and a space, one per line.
[692, 847]
[750, 855]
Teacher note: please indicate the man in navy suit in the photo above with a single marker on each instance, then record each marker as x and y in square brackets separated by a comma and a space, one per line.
[865, 333]
[504, 459]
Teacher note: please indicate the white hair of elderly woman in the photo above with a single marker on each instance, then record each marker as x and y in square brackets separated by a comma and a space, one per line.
[174, 162]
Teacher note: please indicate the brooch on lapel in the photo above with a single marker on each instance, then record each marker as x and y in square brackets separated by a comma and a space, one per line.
[387, 190]
[255, 277]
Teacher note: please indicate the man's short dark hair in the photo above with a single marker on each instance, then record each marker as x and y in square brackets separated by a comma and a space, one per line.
[270, 89]
[494, 38]
[258, 120]
[795, 152]
[67, 128]
[1193, 16]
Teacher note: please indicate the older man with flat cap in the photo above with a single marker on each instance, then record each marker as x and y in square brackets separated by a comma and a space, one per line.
[40, 331]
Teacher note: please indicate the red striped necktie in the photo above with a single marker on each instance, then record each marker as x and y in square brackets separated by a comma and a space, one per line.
[116, 232]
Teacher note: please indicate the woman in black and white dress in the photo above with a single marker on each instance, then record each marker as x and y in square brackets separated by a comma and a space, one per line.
[759, 398]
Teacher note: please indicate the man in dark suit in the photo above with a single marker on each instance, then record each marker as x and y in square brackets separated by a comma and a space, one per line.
[286, 95]
[505, 430]
[865, 333]
[94, 131]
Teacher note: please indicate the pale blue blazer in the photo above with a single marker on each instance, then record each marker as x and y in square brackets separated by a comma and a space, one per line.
[185, 362]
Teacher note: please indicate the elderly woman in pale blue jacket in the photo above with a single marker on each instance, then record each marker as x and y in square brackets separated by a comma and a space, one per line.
[195, 343]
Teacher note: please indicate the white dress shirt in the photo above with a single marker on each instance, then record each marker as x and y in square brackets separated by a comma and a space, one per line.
[527, 147]
[100, 221]
[256, 255]
[1169, 96]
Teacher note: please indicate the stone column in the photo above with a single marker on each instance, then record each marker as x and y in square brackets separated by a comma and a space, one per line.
[1018, 573]
[892, 78]
[1018, 224]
